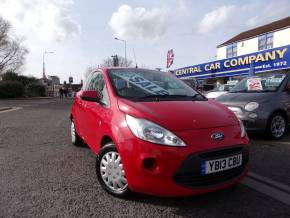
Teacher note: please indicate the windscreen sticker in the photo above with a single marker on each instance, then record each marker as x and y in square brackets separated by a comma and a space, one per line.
[232, 82]
[143, 83]
[254, 84]
[274, 81]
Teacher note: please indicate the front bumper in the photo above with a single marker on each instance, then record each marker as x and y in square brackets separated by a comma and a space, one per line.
[191, 177]
[253, 121]
[176, 171]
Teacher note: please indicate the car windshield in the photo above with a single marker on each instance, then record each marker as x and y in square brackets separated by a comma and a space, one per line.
[146, 84]
[191, 82]
[223, 88]
[265, 83]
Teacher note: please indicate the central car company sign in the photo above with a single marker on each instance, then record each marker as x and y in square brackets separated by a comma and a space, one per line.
[272, 59]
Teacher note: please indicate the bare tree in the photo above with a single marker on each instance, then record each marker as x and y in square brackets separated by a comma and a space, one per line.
[108, 62]
[12, 52]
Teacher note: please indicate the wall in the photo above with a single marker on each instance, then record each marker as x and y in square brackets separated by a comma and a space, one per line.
[248, 46]
[221, 53]
[280, 38]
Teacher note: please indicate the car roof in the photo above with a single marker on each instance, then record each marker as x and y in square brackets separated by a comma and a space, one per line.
[106, 69]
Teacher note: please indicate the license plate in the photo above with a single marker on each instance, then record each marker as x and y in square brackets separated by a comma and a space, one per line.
[222, 164]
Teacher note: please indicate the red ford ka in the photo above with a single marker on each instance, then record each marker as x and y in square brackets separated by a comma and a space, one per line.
[153, 134]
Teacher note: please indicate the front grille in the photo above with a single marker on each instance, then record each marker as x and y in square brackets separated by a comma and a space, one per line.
[221, 153]
[189, 174]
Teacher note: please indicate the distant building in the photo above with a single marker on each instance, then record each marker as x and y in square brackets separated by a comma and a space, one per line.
[52, 84]
[272, 35]
[70, 79]
[53, 80]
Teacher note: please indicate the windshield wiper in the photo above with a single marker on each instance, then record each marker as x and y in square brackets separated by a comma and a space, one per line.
[157, 97]
[163, 96]
[251, 91]
[197, 94]
[236, 91]
[262, 90]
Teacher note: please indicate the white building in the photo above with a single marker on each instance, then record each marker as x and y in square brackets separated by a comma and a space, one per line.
[260, 50]
[272, 35]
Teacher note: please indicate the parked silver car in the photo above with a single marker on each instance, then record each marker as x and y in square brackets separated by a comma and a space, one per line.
[262, 103]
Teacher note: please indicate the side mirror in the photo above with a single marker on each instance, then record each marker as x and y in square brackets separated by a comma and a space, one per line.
[90, 96]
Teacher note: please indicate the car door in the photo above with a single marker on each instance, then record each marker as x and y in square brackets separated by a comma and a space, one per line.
[80, 109]
[96, 112]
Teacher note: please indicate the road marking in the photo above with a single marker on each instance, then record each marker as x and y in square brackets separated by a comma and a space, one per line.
[26, 105]
[13, 109]
[275, 190]
[5, 108]
[269, 143]
[47, 102]
[269, 181]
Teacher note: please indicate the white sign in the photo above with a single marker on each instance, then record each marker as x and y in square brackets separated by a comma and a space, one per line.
[254, 84]
[143, 83]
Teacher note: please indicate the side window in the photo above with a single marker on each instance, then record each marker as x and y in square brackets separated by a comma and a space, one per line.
[97, 83]
[232, 50]
[87, 81]
[265, 41]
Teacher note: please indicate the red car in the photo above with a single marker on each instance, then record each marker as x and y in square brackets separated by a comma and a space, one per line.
[153, 134]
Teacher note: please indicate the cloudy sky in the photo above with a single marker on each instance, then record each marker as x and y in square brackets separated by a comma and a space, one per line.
[81, 32]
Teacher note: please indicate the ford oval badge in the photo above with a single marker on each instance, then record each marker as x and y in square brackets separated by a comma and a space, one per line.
[217, 136]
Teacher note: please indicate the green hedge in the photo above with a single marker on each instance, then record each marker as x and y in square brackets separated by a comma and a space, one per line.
[11, 89]
[35, 90]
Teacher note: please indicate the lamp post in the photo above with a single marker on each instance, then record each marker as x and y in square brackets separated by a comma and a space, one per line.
[43, 69]
[43, 62]
[125, 48]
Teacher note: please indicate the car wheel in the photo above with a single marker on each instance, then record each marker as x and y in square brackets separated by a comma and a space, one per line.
[75, 138]
[277, 125]
[110, 171]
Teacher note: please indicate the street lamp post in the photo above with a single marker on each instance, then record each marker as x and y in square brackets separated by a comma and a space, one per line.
[43, 69]
[43, 62]
[125, 49]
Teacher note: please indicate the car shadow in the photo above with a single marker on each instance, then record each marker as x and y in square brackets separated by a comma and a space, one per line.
[186, 206]
[237, 201]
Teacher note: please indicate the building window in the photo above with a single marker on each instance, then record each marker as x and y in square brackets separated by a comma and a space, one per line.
[232, 50]
[265, 41]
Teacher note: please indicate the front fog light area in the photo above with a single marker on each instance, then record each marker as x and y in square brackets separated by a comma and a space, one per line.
[148, 163]
[253, 115]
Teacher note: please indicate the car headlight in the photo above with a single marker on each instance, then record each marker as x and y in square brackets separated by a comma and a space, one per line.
[151, 132]
[251, 106]
[243, 129]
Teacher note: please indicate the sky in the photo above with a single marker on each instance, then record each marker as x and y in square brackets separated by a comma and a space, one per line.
[81, 32]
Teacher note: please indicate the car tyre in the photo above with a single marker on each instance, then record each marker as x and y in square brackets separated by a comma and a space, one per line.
[75, 138]
[110, 171]
[277, 126]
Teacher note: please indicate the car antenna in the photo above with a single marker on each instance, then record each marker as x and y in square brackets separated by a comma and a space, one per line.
[135, 58]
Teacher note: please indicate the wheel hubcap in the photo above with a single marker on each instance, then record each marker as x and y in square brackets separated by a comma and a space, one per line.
[112, 171]
[73, 132]
[278, 126]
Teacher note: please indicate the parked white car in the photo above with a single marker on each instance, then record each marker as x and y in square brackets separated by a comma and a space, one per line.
[223, 89]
